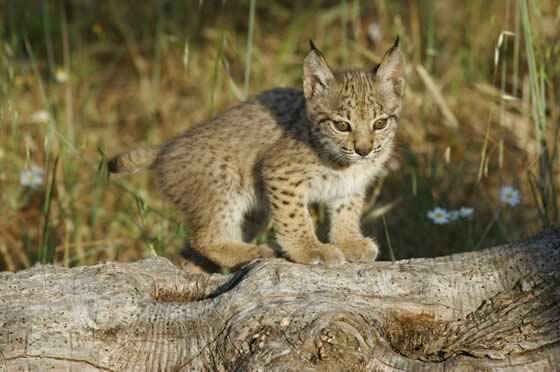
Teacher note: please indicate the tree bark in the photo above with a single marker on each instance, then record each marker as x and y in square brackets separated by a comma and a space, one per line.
[496, 309]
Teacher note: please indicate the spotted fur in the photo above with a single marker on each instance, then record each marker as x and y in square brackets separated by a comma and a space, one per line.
[278, 152]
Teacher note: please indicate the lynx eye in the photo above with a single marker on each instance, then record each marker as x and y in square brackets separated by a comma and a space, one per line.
[381, 124]
[342, 126]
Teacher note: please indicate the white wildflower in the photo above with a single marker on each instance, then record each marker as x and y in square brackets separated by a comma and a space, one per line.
[438, 216]
[61, 75]
[32, 177]
[375, 32]
[41, 117]
[466, 212]
[454, 215]
[510, 196]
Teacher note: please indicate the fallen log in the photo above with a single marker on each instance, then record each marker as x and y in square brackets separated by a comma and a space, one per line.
[496, 309]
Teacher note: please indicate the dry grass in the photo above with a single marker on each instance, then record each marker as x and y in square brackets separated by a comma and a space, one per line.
[140, 74]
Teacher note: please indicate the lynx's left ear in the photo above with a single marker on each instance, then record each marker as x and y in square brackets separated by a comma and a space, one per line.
[390, 72]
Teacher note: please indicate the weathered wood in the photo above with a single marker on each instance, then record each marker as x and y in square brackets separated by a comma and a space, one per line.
[497, 309]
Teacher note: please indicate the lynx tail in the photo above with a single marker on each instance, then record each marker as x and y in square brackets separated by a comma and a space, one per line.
[133, 161]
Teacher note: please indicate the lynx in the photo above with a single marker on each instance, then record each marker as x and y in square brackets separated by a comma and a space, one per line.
[278, 152]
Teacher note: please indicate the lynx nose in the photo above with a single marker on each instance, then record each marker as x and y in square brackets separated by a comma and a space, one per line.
[363, 150]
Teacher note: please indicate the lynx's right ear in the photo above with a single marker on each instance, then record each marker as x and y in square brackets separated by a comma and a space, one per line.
[390, 72]
[317, 76]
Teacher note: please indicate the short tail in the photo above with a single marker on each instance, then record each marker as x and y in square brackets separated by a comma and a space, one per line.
[133, 161]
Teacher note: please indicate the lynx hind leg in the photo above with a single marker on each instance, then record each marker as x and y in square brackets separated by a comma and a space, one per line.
[219, 236]
[228, 252]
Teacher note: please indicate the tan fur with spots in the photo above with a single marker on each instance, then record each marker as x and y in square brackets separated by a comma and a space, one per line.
[278, 152]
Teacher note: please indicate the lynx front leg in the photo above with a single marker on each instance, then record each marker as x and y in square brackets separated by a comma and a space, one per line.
[345, 229]
[295, 229]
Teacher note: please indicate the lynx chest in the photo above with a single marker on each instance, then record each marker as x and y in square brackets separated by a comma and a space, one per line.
[330, 184]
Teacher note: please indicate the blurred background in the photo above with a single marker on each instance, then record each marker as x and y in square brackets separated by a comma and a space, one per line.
[476, 161]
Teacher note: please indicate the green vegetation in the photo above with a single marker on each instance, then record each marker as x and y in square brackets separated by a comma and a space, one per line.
[83, 79]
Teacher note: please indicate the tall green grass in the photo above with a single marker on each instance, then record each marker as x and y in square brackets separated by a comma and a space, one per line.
[543, 184]
[139, 75]
[249, 53]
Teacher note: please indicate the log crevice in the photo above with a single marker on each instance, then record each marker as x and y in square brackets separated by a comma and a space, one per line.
[493, 330]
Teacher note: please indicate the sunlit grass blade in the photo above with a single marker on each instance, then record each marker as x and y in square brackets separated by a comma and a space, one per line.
[248, 56]
[46, 250]
[389, 245]
[545, 182]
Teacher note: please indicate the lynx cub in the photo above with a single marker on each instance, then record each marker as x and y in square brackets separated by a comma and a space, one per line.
[278, 152]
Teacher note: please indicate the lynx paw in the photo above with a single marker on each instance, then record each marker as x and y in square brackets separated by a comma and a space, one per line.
[325, 254]
[360, 250]
[264, 251]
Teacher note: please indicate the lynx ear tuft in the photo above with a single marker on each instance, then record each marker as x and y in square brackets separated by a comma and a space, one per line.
[391, 69]
[312, 45]
[317, 76]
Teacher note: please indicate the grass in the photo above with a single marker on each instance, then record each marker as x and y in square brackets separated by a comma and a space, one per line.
[138, 75]
[543, 186]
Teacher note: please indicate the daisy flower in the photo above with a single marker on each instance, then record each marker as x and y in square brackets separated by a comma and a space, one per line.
[61, 75]
[438, 216]
[454, 215]
[32, 177]
[40, 117]
[510, 196]
[466, 212]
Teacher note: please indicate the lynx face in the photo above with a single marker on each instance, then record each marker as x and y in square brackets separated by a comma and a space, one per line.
[354, 114]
